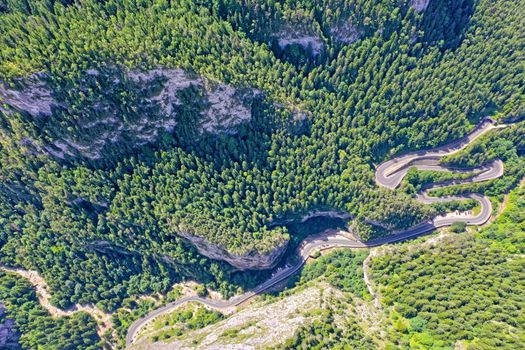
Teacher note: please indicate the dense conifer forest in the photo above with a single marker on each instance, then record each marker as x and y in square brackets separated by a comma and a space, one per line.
[104, 175]
[39, 330]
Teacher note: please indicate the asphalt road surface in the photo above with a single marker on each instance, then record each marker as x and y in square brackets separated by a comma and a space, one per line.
[388, 174]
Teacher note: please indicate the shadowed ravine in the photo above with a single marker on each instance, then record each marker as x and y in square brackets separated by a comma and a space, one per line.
[389, 174]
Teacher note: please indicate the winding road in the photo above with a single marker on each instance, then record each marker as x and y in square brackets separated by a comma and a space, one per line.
[389, 174]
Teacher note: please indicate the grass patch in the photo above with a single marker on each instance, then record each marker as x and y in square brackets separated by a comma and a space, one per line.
[176, 324]
[233, 333]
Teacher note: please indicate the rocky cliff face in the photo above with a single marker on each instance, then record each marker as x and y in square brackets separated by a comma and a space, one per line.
[8, 333]
[328, 214]
[255, 260]
[419, 5]
[301, 31]
[32, 96]
[224, 106]
[249, 261]
[108, 109]
[313, 214]
[345, 32]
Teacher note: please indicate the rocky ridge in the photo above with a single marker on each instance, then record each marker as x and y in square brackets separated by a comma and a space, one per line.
[103, 121]
[252, 260]
[306, 41]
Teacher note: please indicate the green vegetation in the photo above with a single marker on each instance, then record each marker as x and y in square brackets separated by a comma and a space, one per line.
[326, 334]
[38, 329]
[343, 269]
[105, 229]
[130, 312]
[458, 227]
[508, 232]
[132, 309]
[506, 144]
[417, 180]
[465, 288]
[463, 205]
[180, 321]
[234, 332]
[334, 327]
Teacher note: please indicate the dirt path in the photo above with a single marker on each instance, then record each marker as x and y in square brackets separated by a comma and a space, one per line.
[505, 201]
[44, 297]
[366, 277]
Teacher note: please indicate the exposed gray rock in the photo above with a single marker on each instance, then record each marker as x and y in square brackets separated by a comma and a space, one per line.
[419, 5]
[226, 105]
[300, 32]
[175, 80]
[345, 32]
[35, 98]
[254, 260]
[329, 214]
[8, 333]
[260, 325]
[380, 224]
[106, 247]
[226, 108]
[249, 261]
[303, 40]
[93, 72]
[221, 109]
[314, 214]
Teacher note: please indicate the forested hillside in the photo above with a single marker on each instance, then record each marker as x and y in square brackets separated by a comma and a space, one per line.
[464, 289]
[149, 141]
[453, 290]
[38, 329]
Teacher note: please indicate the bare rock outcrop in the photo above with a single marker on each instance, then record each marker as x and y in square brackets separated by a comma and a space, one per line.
[36, 98]
[328, 214]
[306, 41]
[419, 5]
[345, 32]
[225, 106]
[302, 32]
[249, 261]
[103, 122]
[254, 259]
[333, 214]
[258, 326]
[8, 333]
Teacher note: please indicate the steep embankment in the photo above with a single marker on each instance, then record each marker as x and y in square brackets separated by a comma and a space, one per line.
[86, 121]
